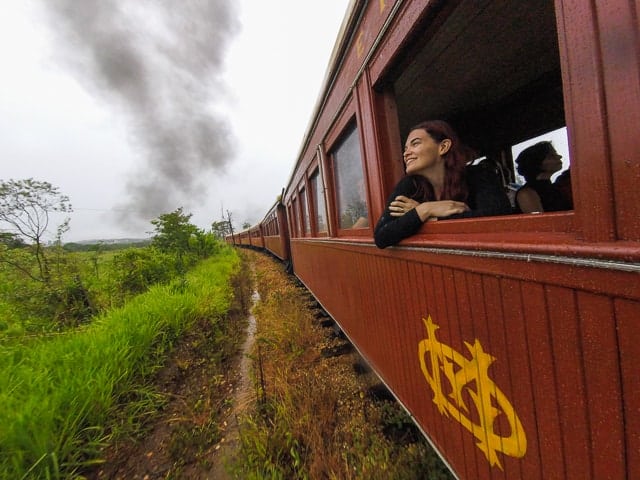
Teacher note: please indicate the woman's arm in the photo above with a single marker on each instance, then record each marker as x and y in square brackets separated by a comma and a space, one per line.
[404, 216]
[390, 228]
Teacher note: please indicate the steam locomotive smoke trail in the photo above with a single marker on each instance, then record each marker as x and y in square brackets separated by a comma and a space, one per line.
[160, 61]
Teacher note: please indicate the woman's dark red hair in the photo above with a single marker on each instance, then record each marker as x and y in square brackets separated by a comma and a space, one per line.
[455, 161]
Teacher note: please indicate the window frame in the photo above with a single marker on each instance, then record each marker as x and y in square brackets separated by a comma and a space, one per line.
[317, 173]
[303, 202]
[336, 135]
[383, 70]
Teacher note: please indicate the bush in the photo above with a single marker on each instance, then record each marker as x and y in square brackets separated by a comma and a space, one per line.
[136, 269]
[58, 393]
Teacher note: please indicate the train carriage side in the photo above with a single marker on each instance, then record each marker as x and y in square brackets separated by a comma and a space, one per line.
[512, 341]
[243, 238]
[256, 239]
[276, 231]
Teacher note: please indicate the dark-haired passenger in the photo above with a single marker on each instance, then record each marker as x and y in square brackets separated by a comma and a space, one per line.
[439, 185]
[537, 164]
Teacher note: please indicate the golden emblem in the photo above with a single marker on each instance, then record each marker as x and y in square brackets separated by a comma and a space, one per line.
[441, 362]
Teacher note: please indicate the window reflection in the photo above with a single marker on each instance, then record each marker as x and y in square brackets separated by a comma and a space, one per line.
[350, 187]
[304, 211]
[318, 203]
[294, 218]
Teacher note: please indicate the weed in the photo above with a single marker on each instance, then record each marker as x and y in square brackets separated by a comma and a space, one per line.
[313, 419]
[62, 397]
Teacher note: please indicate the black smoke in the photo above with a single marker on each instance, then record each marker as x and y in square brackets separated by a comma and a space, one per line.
[159, 62]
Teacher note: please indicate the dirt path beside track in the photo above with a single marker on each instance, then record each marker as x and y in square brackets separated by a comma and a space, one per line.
[196, 434]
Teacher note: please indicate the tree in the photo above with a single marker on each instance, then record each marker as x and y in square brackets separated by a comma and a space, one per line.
[11, 240]
[220, 229]
[25, 208]
[173, 231]
[176, 235]
[53, 288]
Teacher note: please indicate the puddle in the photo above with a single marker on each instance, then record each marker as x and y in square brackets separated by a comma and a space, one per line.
[243, 398]
[245, 391]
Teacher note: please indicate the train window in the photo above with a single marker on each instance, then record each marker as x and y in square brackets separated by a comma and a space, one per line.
[542, 179]
[304, 213]
[349, 182]
[294, 218]
[492, 70]
[317, 195]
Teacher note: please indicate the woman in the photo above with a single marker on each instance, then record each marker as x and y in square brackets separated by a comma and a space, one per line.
[438, 185]
[537, 164]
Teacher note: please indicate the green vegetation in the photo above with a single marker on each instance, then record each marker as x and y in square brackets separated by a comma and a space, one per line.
[102, 246]
[82, 330]
[58, 393]
[89, 337]
[46, 289]
[315, 417]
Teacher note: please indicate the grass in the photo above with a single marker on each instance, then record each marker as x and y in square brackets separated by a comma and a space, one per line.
[57, 393]
[315, 417]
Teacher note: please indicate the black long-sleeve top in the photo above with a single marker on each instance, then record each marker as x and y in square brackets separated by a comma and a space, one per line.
[551, 197]
[486, 197]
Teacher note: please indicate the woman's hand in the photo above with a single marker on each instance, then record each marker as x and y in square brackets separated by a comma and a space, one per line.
[402, 205]
[429, 211]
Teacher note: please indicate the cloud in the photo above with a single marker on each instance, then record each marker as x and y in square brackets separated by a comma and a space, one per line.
[159, 62]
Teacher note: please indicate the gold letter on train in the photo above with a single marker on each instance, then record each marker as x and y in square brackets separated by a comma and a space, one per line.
[440, 362]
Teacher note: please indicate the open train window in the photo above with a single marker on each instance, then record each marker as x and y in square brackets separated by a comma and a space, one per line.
[492, 70]
[319, 208]
[350, 190]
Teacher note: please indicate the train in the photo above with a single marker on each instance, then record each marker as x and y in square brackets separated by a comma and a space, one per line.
[512, 341]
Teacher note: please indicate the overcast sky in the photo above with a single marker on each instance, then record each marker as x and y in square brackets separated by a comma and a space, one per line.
[134, 108]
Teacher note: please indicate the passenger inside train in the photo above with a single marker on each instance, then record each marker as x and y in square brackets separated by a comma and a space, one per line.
[439, 184]
[537, 164]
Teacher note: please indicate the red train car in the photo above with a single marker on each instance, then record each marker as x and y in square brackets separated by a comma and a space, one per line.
[276, 231]
[256, 239]
[512, 341]
[242, 238]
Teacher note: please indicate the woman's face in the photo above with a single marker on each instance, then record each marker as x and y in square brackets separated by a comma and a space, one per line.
[552, 162]
[423, 153]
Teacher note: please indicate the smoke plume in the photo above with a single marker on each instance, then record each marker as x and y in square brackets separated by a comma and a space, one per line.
[160, 62]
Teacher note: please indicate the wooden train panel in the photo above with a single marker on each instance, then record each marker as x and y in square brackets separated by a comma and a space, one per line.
[255, 237]
[275, 245]
[509, 375]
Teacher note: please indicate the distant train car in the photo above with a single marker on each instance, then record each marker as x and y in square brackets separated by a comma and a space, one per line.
[276, 231]
[512, 341]
[256, 239]
[241, 238]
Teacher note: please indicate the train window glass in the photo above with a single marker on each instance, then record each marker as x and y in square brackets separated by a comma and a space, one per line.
[545, 160]
[304, 212]
[294, 218]
[558, 139]
[349, 181]
[318, 203]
